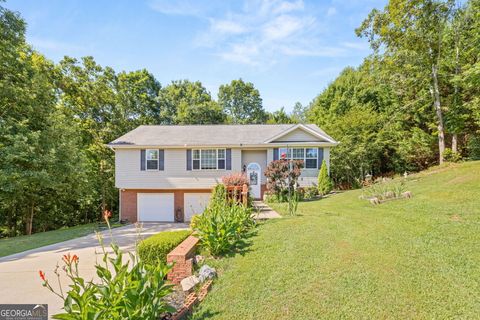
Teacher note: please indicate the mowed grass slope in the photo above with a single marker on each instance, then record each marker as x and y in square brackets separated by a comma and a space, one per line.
[344, 258]
[18, 244]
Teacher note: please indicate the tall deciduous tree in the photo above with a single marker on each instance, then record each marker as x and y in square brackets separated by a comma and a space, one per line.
[241, 102]
[191, 103]
[410, 35]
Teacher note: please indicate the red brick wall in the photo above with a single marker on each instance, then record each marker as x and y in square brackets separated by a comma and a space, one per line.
[182, 259]
[128, 201]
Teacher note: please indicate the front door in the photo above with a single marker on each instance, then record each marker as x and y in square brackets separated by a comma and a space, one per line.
[254, 174]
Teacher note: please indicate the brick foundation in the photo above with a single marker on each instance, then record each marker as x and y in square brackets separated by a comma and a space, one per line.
[182, 258]
[128, 201]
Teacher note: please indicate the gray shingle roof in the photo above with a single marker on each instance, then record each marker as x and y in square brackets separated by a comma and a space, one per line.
[201, 135]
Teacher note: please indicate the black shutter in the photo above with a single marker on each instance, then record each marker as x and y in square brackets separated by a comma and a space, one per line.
[275, 153]
[142, 159]
[320, 157]
[228, 158]
[189, 159]
[161, 159]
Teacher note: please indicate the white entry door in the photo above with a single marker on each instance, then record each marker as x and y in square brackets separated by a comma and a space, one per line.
[155, 207]
[195, 203]
[254, 174]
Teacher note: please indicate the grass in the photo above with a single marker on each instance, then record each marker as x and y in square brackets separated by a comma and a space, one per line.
[22, 243]
[342, 257]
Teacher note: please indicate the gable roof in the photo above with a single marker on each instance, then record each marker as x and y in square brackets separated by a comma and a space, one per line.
[214, 135]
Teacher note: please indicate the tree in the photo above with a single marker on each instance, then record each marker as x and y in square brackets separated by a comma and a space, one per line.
[241, 102]
[191, 103]
[410, 35]
[39, 155]
[324, 183]
[299, 113]
[279, 117]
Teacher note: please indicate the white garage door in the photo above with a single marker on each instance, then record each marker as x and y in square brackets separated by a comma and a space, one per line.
[195, 203]
[155, 207]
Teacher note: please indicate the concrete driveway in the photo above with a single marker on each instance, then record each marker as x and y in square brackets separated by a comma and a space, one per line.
[19, 278]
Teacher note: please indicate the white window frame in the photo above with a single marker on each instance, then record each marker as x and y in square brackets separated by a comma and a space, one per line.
[216, 159]
[289, 152]
[146, 159]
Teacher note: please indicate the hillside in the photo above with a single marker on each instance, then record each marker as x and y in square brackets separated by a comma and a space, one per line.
[344, 258]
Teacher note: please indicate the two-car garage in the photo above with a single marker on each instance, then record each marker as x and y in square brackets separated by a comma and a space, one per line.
[161, 206]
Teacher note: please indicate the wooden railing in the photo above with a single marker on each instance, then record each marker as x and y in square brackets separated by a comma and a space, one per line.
[239, 194]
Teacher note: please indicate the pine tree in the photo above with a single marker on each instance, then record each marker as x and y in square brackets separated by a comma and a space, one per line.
[324, 182]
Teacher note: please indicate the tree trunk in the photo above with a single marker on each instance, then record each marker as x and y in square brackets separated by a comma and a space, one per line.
[29, 224]
[454, 142]
[438, 110]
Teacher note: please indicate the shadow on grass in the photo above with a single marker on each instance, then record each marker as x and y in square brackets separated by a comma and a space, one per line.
[203, 314]
[243, 246]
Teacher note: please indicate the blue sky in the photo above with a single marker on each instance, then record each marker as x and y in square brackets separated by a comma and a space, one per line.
[290, 50]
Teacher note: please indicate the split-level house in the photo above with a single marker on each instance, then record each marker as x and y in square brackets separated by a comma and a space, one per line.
[167, 172]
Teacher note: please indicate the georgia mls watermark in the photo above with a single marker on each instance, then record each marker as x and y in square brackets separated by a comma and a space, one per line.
[23, 312]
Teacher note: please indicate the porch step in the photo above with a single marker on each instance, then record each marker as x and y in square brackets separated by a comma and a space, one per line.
[264, 212]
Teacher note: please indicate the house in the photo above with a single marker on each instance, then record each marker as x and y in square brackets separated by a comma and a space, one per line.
[166, 173]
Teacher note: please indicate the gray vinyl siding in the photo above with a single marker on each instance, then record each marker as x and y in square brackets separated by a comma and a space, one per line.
[176, 176]
[298, 135]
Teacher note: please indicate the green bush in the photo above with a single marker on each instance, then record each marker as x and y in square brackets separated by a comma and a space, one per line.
[450, 156]
[223, 225]
[473, 147]
[155, 248]
[324, 182]
[310, 192]
[126, 288]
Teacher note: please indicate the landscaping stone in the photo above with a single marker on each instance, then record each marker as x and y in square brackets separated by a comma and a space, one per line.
[407, 194]
[198, 259]
[189, 282]
[206, 272]
[374, 201]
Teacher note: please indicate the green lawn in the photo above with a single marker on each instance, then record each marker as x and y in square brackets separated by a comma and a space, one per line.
[18, 244]
[345, 258]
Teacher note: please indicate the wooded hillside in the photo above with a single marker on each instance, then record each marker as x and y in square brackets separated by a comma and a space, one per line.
[414, 102]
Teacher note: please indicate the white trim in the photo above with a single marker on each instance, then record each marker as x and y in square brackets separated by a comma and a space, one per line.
[302, 127]
[216, 159]
[229, 146]
[146, 159]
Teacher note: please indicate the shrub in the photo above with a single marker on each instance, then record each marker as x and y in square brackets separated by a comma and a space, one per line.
[278, 175]
[450, 156]
[324, 182]
[219, 194]
[154, 249]
[473, 147]
[222, 226]
[384, 190]
[127, 288]
[310, 192]
[235, 179]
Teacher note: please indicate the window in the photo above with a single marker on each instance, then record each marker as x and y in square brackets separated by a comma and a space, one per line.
[196, 160]
[298, 154]
[311, 158]
[221, 158]
[208, 159]
[308, 155]
[152, 159]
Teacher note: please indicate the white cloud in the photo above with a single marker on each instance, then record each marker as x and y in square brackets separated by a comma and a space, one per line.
[227, 27]
[284, 26]
[331, 11]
